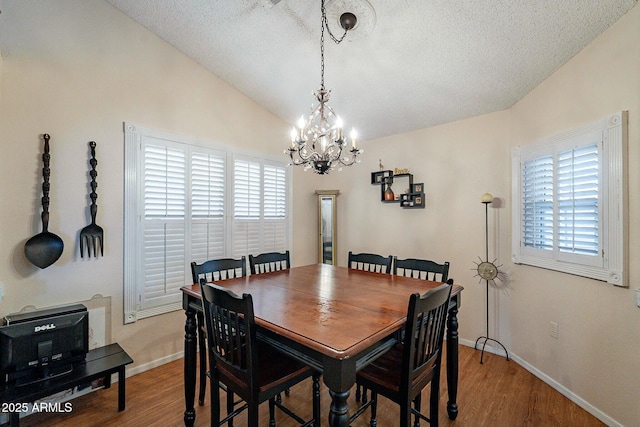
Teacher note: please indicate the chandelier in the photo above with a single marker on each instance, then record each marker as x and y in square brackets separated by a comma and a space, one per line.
[318, 142]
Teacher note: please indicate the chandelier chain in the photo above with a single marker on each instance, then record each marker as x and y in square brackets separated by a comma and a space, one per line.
[324, 17]
[324, 23]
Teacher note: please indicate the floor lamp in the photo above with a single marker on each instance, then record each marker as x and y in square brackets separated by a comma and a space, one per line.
[488, 271]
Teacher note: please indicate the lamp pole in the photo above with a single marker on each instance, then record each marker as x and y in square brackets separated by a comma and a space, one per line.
[486, 199]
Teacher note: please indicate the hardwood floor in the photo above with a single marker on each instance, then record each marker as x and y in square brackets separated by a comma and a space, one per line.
[496, 393]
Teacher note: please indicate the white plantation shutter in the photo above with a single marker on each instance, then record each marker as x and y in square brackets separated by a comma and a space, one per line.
[274, 236]
[184, 203]
[207, 205]
[246, 237]
[569, 201]
[560, 204]
[260, 220]
[275, 209]
[537, 203]
[247, 183]
[164, 169]
[578, 201]
[275, 192]
[164, 258]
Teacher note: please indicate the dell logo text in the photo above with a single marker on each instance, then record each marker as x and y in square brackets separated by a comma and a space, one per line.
[44, 327]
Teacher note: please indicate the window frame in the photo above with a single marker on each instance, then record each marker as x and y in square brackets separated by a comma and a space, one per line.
[612, 265]
[134, 215]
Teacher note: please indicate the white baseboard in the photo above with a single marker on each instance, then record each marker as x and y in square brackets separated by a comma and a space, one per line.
[154, 364]
[550, 381]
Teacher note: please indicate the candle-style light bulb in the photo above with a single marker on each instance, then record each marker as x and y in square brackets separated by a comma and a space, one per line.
[301, 124]
[339, 127]
[354, 135]
[294, 134]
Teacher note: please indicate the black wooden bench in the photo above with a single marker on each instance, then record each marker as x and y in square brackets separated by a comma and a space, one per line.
[101, 362]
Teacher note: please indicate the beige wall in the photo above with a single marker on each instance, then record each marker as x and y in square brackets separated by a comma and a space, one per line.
[595, 360]
[596, 356]
[78, 69]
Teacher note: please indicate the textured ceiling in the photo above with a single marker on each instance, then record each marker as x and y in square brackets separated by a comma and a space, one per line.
[409, 64]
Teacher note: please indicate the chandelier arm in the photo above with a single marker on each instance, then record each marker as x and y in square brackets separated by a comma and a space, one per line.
[307, 158]
[353, 159]
[313, 155]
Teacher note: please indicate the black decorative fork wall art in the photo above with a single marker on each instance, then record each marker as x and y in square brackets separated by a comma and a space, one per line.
[92, 235]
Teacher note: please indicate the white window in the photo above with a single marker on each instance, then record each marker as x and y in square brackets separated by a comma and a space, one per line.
[569, 201]
[183, 203]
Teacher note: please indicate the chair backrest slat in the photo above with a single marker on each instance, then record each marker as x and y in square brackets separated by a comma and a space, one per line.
[231, 330]
[370, 262]
[219, 269]
[421, 269]
[426, 321]
[270, 261]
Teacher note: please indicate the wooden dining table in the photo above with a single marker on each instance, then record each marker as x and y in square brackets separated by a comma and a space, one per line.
[335, 319]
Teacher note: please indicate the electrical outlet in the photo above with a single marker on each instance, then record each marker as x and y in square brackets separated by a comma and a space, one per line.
[554, 330]
[637, 295]
[1, 291]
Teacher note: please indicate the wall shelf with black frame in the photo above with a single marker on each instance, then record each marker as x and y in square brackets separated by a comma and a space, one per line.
[411, 198]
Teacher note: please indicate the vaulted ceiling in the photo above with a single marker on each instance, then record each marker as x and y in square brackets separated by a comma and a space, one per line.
[408, 64]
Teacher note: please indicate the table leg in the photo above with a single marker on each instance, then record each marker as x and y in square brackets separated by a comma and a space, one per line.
[202, 350]
[190, 367]
[107, 381]
[452, 361]
[339, 409]
[121, 389]
[339, 376]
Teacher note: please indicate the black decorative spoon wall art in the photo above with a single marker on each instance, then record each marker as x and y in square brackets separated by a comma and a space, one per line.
[44, 248]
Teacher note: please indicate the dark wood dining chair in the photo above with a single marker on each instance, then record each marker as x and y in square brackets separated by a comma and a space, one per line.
[212, 270]
[270, 261]
[406, 369]
[421, 269]
[370, 262]
[251, 369]
[265, 263]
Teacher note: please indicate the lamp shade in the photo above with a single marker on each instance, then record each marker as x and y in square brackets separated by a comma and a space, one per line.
[486, 198]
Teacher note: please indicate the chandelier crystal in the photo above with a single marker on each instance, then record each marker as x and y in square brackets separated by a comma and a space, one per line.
[318, 142]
